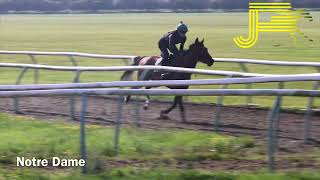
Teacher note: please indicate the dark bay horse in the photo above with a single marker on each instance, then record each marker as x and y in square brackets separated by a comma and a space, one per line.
[197, 52]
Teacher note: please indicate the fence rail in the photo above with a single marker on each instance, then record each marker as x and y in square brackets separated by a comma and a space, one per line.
[162, 92]
[273, 119]
[241, 62]
[76, 54]
[267, 62]
[92, 55]
[108, 88]
[224, 81]
[132, 68]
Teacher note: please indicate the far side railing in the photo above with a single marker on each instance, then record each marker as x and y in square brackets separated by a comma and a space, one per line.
[72, 56]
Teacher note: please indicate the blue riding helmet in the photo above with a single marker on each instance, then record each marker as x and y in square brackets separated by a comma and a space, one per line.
[182, 28]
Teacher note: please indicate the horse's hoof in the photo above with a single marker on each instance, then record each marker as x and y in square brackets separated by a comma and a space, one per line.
[20, 113]
[127, 99]
[183, 119]
[164, 116]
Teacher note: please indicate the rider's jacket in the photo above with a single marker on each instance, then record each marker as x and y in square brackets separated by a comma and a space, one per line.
[169, 41]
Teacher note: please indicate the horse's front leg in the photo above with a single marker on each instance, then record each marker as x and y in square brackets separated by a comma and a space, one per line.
[182, 111]
[165, 112]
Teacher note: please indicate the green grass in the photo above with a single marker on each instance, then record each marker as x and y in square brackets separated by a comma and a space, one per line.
[158, 150]
[154, 174]
[33, 138]
[137, 34]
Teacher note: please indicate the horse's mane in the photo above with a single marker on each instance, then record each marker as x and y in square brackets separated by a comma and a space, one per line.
[191, 45]
[185, 51]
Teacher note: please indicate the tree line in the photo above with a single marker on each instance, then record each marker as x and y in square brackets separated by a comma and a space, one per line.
[95, 5]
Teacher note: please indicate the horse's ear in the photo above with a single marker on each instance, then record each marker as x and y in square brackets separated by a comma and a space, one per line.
[197, 41]
[202, 42]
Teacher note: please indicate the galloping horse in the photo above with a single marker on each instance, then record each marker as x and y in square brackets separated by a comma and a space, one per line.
[197, 52]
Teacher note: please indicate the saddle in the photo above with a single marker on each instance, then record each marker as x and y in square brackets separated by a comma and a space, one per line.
[169, 63]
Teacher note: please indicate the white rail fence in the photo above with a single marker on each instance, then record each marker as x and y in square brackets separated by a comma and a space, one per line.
[273, 118]
[78, 70]
[108, 88]
[72, 57]
[260, 78]
[224, 81]
[121, 84]
[126, 57]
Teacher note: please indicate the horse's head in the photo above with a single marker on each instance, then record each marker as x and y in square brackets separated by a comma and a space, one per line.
[202, 52]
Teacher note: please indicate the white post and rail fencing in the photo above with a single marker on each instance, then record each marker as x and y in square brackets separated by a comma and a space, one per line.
[126, 58]
[112, 88]
[273, 118]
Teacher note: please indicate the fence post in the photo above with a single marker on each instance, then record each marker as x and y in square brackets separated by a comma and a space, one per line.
[72, 98]
[281, 85]
[36, 71]
[218, 109]
[18, 81]
[308, 115]
[73, 61]
[118, 124]
[126, 62]
[272, 135]
[245, 69]
[83, 152]
[137, 109]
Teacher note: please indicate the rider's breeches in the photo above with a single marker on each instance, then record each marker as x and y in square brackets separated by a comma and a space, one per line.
[164, 55]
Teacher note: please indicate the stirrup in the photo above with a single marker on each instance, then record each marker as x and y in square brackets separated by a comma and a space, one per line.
[165, 76]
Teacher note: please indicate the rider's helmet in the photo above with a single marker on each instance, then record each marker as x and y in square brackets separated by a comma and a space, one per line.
[182, 28]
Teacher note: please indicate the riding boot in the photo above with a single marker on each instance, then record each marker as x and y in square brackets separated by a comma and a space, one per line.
[166, 75]
[165, 62]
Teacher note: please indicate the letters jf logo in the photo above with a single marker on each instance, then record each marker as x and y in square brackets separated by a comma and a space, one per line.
[285, 20]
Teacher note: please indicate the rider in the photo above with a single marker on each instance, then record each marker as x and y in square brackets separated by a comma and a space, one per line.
[168, 43]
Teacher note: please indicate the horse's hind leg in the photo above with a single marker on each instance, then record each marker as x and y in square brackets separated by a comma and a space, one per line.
[127, 98]
[182, 111]
[165, 112]
[142, 75]
[147, 102]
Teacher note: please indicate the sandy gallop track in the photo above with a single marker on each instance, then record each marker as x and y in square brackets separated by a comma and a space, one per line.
[236, 120]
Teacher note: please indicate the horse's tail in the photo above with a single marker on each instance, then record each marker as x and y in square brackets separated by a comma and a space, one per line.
[127, 76]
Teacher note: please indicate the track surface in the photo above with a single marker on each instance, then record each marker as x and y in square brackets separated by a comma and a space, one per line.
[235, 120]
